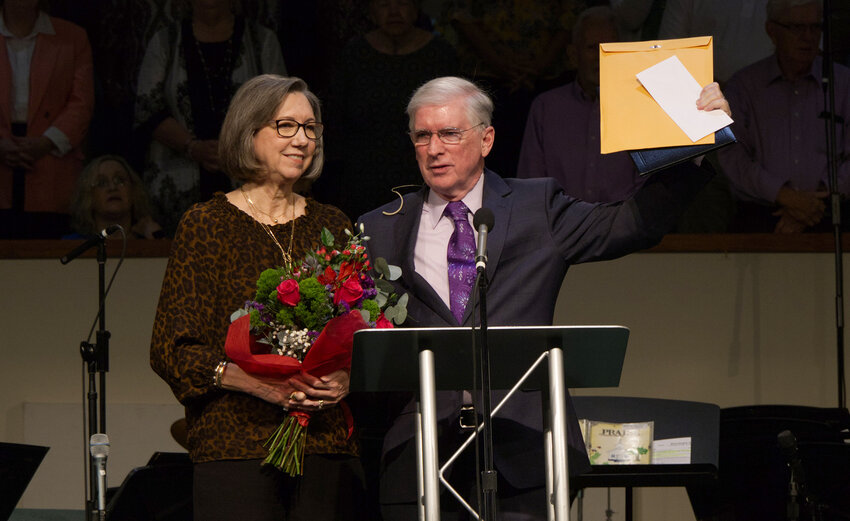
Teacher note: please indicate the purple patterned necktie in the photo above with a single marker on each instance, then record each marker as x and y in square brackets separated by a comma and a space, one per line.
[461, 257]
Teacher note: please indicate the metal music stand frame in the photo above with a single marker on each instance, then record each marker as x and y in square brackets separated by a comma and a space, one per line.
[383, 360]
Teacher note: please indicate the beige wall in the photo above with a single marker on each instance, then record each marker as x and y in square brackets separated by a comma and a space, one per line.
[730, 329]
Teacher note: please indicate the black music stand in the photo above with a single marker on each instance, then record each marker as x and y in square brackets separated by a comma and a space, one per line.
[424, 360]
[18, 464]
[673, 419]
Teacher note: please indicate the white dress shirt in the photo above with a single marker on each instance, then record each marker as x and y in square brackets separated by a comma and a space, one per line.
[20, 51]
[432, 239]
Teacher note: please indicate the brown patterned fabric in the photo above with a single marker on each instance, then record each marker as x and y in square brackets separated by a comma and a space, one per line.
[217, 256]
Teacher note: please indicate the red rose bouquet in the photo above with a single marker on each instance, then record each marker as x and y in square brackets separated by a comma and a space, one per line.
[303, 319]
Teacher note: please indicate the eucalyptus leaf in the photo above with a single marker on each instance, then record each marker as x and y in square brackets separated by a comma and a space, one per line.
[382, 267]
[327, 237]
[401, 316]
[381, 299]
[239, 313]
[394, 272]
[402, 300]
[390, 312]
[384, 285]
[365, 315]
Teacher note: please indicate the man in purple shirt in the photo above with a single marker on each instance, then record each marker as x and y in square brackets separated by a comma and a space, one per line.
[778, 170]
[562, 134]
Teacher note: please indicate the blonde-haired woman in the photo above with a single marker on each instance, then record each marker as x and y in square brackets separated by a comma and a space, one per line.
[110, 192]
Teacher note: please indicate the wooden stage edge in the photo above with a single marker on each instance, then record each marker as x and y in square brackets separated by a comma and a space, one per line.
[672, 243]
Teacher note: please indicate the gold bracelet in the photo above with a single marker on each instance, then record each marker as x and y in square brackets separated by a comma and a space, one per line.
[218, 373]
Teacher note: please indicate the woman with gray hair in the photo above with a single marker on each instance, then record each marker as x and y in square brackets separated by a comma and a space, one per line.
[271, 142]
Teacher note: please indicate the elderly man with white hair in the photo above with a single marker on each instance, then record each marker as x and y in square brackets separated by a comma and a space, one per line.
[778, 170]
[539, 233]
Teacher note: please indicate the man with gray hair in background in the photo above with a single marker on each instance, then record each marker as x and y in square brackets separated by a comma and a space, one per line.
[778, 169]
[539, 233]
[571, 152]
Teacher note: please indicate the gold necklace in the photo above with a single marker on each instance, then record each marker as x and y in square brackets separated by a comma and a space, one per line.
[287, 255]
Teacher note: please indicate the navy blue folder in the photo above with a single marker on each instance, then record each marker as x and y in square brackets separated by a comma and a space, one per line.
[654, 159]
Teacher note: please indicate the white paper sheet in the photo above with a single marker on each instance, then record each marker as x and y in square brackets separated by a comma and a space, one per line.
[671, 451]
[676, 91]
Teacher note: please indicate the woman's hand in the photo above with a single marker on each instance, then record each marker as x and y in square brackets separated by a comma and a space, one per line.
[298, 392]
[272, 390]
[313, 393]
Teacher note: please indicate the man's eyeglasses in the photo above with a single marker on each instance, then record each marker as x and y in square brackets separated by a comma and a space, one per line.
[106, 182]
[800, 28]
[449, 136]
[288, 127]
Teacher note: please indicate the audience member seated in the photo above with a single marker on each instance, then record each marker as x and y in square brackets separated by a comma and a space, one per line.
[46, 100]
[778, 169]
[515, 50]
[371, 84]
[187, 78]
[110, 192]
[736, 26]
[562, 134]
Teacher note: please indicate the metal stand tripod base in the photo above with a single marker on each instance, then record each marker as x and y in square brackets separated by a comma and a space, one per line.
[555, 440]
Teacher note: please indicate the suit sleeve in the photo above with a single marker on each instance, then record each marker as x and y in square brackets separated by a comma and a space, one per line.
[74, 119]
[586, 232]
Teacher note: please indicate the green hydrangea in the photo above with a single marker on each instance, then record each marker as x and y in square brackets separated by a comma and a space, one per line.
[267, 284]
[314, 309]
[372, 307]
[286, 316]
[256, 323]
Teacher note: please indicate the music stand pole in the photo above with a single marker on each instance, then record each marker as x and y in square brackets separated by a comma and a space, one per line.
[489, 477]
[96, 357]
[828, 82]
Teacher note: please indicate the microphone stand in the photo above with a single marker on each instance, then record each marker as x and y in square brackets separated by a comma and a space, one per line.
[834, 196]
[96, 356]
[488, 475]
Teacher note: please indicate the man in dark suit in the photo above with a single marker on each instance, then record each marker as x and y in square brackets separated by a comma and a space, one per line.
[539, 232]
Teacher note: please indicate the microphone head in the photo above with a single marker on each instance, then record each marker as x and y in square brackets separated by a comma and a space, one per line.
[484, 217]
[99, 445]
[787, 442]
[109, 230]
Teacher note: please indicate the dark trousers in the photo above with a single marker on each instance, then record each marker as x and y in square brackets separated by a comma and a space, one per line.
[330, 489]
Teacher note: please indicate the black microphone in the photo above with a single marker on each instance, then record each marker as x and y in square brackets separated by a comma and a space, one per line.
[483, 221]
[82, 248]
[797, 484]
[99, 449]
[788, 446]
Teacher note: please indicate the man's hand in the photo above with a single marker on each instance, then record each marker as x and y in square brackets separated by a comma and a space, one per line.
[787, 224]
[805, 207]
[710, 98]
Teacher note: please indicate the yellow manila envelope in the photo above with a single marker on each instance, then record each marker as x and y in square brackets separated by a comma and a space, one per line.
[630, 118]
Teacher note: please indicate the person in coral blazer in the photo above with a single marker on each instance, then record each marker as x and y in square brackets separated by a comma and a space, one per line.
[46, 103]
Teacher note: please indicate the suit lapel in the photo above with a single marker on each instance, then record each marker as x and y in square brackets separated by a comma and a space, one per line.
[5, 85]
[494, 198]
[405, 231]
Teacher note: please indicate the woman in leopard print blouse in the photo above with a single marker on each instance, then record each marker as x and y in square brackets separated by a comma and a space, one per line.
[271, 141]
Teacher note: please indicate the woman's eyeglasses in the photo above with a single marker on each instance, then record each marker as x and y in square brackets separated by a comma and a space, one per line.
[287, 127]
